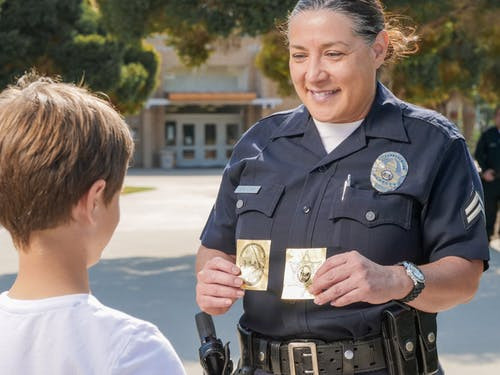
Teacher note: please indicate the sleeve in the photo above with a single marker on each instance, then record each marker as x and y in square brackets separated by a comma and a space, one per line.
[147, 352]
[219, 231]
[453, 221]
[481, 154]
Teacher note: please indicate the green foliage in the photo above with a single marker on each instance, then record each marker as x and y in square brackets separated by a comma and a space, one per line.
[272, 60]
[93, 59]
[192, 25]
[136, 82]
[458, 51]
[68, 38]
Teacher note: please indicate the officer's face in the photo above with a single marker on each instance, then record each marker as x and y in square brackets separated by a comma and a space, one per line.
[333, 69]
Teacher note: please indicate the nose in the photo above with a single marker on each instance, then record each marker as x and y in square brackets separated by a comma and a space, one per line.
[315, 71]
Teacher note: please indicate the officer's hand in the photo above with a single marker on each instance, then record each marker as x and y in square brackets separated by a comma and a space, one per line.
[350, 277]
[488, 175]
[218, 286]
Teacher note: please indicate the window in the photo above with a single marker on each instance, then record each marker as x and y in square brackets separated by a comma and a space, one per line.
[210, 134]
[231, 134]
[170, 133]
[188, 135]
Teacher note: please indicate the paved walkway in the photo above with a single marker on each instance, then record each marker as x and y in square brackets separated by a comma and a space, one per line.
[148, 271]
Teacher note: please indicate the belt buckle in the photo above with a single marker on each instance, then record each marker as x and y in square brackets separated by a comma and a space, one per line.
[313, 355]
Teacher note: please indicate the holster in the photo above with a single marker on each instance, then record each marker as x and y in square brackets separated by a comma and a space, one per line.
[245, 365]
[410, 341]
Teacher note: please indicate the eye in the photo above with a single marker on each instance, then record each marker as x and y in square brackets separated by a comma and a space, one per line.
[334, 54]
[298, 56]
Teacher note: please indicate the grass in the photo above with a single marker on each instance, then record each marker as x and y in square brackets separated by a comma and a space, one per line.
[136, 189]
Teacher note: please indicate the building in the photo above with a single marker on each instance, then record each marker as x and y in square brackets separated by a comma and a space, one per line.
[196, 115]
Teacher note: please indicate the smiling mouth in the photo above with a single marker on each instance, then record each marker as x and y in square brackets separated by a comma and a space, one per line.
[324, 94]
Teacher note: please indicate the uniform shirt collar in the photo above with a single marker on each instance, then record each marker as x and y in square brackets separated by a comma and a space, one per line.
[385, 119]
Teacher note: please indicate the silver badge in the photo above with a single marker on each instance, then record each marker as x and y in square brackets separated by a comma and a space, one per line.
[388, 172]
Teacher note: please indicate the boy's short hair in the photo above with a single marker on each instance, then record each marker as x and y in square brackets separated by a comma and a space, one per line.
[56, 140]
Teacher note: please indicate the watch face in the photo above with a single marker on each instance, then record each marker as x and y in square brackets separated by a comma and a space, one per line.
[416, 272]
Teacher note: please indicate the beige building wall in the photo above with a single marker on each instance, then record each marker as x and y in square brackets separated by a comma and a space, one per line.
[228, 88]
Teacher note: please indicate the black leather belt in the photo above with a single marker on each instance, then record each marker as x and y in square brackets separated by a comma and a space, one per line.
[312, 357]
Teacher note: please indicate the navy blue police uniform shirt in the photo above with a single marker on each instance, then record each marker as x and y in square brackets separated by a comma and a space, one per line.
[434, 213]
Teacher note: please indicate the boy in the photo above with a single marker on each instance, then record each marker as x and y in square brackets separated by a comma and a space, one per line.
[63, 157]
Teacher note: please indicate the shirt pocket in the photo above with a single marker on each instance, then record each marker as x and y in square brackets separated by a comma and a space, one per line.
[255, 212]
[372, 209]
[375, 224]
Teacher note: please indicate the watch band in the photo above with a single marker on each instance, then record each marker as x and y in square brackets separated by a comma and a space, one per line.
[418, 279]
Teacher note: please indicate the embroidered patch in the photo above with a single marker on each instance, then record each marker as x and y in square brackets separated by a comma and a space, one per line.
[473, 208]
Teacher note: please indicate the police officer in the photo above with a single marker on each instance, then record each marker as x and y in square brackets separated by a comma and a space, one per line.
[488, 156]
[373, 204]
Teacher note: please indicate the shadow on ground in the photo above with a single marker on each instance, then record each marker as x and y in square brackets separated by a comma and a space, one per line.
[161, 290]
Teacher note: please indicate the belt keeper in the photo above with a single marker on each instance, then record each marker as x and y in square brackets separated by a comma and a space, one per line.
[347, 359]
[274, 357]
[262, 357]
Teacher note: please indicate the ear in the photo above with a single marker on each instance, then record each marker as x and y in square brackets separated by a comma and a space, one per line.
[379, 47]
[88, 205]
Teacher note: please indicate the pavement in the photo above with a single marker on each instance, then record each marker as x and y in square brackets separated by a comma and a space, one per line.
[147, 270]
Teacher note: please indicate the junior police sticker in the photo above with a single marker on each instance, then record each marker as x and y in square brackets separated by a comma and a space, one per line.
[388, 172]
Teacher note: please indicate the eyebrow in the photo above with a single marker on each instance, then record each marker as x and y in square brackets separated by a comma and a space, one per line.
[324, 45]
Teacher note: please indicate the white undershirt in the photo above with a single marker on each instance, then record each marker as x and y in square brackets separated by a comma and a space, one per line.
[334, 134]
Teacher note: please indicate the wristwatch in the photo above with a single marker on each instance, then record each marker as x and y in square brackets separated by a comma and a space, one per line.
[418, 278]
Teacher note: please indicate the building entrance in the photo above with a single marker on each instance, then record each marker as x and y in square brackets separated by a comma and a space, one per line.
[204, 140]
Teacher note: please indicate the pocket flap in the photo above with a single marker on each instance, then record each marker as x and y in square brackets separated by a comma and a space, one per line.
[264, 201]
[372, 208]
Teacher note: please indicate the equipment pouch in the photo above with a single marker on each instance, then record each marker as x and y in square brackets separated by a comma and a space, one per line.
[427, 350]
[400, 340]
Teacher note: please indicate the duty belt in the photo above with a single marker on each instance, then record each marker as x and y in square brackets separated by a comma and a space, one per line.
[312, 357]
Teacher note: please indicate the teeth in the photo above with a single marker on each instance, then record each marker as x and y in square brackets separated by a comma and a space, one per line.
[323, 94]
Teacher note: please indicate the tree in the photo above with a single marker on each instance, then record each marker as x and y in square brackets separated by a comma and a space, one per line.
[67, 38]
[191, 25]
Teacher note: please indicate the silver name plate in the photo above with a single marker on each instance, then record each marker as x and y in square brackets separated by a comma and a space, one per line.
[247, 189]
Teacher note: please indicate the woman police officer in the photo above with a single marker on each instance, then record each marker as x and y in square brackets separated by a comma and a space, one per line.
[381, 184]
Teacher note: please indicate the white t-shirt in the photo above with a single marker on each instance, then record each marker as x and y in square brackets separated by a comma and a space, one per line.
[334, 134]
[77, 335]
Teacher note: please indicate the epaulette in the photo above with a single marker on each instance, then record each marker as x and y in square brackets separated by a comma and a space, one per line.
[434, 118]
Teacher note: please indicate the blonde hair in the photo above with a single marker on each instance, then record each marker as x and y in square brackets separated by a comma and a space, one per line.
[56, 140]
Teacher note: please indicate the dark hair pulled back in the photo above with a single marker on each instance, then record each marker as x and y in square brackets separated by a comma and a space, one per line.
[369, 20]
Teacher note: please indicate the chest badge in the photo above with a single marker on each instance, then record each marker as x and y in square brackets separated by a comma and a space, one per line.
[300, 268]
[252, 257]
[388, 171]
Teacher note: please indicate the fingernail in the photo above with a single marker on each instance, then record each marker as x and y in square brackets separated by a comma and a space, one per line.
[236, 270]
[238, 281]
[317, 301]
[240, 293]
[228, 302]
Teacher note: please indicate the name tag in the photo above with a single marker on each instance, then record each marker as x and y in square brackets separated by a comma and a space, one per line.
[247, 189]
